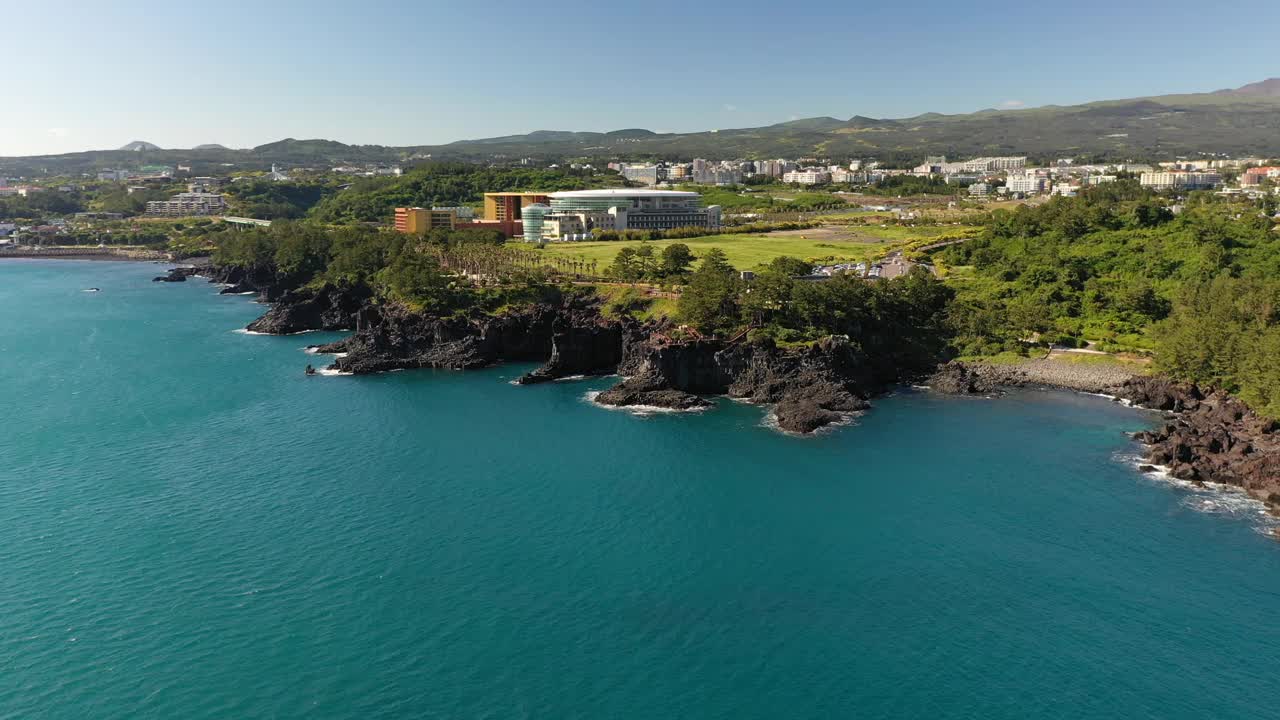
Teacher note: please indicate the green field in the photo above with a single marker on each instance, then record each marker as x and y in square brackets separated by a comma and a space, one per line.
[748, 251]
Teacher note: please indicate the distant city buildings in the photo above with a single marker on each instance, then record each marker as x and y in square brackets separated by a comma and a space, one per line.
[938, 165]
[200, 185]
[1256, 175]
[20, 190]
[644, 174]
[373, 170]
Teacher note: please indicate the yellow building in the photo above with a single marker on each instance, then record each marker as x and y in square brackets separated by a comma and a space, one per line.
[506, 206]
[418, 220]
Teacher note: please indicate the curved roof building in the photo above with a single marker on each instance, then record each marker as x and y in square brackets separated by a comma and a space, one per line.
[622, 209]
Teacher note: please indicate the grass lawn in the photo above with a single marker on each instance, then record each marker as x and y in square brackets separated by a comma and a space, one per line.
[748, 251]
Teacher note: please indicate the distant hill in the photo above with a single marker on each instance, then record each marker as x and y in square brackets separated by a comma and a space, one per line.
[211, 146]
[1265, 88]
[1240, 121]
[140, 145]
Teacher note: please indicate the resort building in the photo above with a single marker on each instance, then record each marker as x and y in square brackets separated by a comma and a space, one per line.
[576, 214]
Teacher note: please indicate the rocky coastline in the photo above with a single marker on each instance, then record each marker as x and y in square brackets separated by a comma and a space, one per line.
[808, 387]
[1207, 437]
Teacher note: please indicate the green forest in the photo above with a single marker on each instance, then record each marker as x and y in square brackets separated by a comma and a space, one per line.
[1115, 267]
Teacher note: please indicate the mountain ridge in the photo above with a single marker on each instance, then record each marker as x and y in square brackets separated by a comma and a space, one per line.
[1240, 121]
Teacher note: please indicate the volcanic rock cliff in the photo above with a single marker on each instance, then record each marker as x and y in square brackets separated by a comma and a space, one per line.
[1210, 437]
[810, 386]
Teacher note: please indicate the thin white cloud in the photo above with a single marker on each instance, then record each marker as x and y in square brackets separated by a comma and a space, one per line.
[730, 108]
[58, 132]
[1012, 104]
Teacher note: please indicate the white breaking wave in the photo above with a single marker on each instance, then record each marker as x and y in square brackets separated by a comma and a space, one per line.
[332, 372]
[247, 331]
[1123, 401]
[1211, 498]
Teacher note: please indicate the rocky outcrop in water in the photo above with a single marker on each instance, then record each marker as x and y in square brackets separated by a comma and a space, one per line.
[178, 274]
[1210, 437]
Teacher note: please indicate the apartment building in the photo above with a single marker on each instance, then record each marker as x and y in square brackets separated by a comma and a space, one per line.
[1026, 183]
[808, 176]
[188, 203]
[1179, 180]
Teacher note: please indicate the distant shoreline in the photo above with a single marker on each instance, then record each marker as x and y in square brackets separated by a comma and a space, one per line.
[110, 254]
[96, 254]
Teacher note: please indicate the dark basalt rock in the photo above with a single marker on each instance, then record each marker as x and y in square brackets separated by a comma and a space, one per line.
[393, 338]
[178, 274]
[582, 343]
[957, 378]
[327, 308]
[1213, 438]
[622, 396]
[811, 387]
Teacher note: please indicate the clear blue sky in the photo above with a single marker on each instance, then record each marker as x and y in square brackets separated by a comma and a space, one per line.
[86, 74]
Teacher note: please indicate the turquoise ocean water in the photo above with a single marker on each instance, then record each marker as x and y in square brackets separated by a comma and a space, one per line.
[190, 528]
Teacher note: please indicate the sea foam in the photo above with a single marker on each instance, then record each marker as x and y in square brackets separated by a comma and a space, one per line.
[1211, 498]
